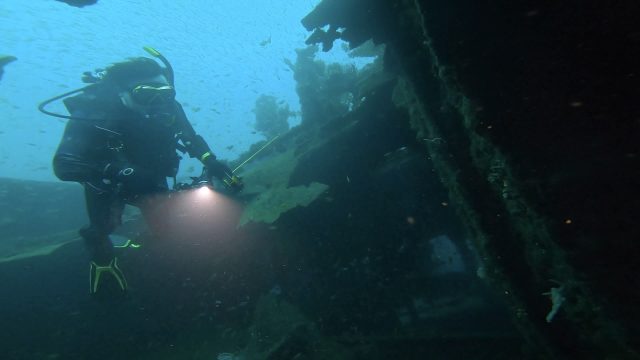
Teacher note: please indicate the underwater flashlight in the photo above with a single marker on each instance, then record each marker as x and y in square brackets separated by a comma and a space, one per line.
[204, 184]
[203, 192]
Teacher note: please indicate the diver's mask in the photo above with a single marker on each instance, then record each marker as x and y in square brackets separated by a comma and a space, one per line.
[154, 101]
[153, 95]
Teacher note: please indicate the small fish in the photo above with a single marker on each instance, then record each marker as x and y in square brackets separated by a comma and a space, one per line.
[399, 150]
[266, 41]
[79, 3]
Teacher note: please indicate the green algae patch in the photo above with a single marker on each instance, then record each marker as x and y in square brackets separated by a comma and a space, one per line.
[270, 205]
[267, 186]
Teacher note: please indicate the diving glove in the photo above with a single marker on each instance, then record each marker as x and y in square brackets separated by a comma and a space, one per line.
[224, 173]
[217, 169]
[234, 183]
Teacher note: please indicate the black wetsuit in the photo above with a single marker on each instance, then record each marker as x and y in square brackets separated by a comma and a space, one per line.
[121, 136]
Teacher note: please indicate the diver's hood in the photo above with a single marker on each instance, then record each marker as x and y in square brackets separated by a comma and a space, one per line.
[99, 94]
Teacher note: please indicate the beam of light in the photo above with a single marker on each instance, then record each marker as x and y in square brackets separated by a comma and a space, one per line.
[204, 193]
[198, 216]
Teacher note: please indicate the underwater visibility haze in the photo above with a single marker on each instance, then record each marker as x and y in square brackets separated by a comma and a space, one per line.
[319, 179]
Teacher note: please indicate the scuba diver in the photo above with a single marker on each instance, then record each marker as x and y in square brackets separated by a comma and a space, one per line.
[121, 144]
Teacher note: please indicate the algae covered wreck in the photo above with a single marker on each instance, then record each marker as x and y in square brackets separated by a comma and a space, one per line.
[468, 193]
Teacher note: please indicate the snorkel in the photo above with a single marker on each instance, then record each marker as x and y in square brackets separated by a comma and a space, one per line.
[95, 81]
[167, 65]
